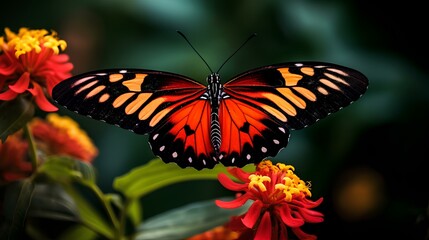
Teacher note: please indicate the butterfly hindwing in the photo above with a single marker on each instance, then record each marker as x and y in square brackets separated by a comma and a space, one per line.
[248, 133]
[184, 138]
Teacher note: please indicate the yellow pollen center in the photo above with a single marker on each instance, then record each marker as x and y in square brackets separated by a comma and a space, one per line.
[27, 40]
[290, 185]
[258, 181]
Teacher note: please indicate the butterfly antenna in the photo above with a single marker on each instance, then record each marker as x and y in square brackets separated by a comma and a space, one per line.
[242, 45]
[186, 39]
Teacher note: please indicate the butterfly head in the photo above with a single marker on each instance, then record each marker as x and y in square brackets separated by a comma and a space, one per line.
[213, 78]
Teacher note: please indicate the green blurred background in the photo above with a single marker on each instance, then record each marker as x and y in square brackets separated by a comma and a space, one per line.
[367, 161]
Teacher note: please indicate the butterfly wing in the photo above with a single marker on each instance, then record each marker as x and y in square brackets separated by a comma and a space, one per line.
[264, 104]
[165, 105]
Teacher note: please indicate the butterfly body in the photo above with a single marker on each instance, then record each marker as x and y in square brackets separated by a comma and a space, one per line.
[236, 123]
[215, 94]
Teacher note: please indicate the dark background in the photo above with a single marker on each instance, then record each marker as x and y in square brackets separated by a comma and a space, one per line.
[367, 161]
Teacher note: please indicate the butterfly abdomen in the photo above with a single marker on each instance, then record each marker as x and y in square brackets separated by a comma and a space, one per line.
[214, 94]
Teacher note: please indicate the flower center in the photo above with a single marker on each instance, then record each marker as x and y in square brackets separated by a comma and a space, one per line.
[28, 40]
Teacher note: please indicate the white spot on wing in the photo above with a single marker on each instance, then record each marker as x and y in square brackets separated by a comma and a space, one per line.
[123, 71]
[174, 155]
[155, 136]
[264, 149]
[248, 156]
[276, 141]
[282, 129]
[161, 148]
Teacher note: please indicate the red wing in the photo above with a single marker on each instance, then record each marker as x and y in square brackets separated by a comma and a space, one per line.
[296, 95]
[248, 133]
[138, 100]
[184, 138]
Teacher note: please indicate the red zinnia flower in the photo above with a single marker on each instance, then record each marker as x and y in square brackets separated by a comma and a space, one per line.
[280, 202]
[30, 62]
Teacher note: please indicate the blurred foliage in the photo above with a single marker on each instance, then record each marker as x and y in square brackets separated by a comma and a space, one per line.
[382, 137]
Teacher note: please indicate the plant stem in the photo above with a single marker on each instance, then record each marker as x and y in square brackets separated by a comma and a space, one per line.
[109, 210]
[32, 147]
[123, 217]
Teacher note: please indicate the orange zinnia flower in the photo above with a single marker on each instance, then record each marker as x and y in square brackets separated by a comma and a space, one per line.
[62, 136]
[280, 202]
[56, 135]
[30, 63]
[13, 159]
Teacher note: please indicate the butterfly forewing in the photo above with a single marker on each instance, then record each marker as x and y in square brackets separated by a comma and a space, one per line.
[138, 100]
[296, 95]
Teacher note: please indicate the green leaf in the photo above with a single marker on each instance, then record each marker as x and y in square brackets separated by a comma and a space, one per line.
[16, 203]
[14, 115]
[157, 174]
[65, 170]
[134, 212]
[187, 221]
[89, 216]
[78, 232]
[51, 201]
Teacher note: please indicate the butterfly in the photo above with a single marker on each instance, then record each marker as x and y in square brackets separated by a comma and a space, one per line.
[194, 125]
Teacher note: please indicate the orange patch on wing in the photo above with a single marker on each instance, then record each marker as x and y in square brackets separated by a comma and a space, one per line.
[82, 80]
[95, 91]
[115, 77]
[338, 71]
[86, 87]
[291, 79]
[306, 93]
[307, 70]
[121, 99]
[159, 116]
[299, 102]
[104, 98]
[322, 91]
[330, 84]
[148, 110]
[133, 106]
[276, 113]
[135, 84]
[281, 103]
[338, 79]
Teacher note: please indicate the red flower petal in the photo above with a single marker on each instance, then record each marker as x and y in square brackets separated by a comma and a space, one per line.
[302, 235]
[310, 216]
[285, 214]
[240, 174]
[264, 228]
[252, 214]
[8, 95]
[229, 184]
[41, 99]
[21, 84]
[238, 202]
